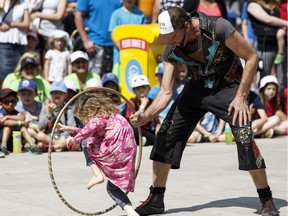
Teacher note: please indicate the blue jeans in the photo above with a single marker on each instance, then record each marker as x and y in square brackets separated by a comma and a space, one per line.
[9, 55]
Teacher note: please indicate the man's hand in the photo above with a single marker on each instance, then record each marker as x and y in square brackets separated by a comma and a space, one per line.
[138, 119]
[241, 111]
[90, 47]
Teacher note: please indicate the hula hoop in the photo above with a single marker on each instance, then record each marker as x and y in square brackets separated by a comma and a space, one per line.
[138, 162]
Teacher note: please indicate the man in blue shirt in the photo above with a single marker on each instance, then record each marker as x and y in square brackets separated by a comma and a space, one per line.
[97, 40]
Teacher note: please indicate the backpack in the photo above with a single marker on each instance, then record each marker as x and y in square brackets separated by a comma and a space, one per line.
[123, 107]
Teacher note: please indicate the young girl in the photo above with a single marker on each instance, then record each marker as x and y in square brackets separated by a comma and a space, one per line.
[111, 146]
[57, 64]
[268, 92]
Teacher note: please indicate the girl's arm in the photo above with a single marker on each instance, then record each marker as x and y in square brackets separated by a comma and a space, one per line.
[46, 68]
[69, 67]
[66, 128]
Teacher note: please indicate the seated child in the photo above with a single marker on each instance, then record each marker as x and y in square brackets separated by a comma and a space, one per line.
[141, 87]
[110, 80]
[269, 94]
[28, 106]
[11, 119]
[48, 116]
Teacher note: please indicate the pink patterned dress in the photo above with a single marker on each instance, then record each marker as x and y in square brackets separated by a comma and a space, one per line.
[112, 147]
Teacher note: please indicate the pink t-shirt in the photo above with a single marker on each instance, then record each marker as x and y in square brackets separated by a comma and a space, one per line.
[211, 11]
[112, 147]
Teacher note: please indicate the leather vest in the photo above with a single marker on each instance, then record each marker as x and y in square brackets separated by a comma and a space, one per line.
[221, 64]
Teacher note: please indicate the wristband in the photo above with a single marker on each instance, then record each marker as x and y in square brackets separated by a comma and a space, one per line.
[141, 108]
[207, 135]
[19, 122]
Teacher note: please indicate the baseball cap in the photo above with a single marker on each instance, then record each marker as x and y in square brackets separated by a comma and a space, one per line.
[159, 69]
[32, 34]
[78, 54]
[58, 86]
[93, 83]
[57, 34]
[28, 60]
[139, 80]
[268, 79]
[27, 85]
[109, 77]
[170, 20]
[5, 92]
[70, 85]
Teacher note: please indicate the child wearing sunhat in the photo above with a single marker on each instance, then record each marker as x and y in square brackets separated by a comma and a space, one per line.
[141, 87]
[269, 94]
[57, 64]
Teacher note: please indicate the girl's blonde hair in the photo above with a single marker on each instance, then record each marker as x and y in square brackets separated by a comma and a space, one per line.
[91, 105]
[51, 43]
[31, 54]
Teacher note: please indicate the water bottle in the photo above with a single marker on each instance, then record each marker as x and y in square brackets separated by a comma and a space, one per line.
[17, 142]
[228, 134]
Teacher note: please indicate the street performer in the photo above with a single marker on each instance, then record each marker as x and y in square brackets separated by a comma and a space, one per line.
[212, 48]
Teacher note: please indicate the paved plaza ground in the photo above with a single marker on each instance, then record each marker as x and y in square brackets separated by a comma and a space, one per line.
[208, 183]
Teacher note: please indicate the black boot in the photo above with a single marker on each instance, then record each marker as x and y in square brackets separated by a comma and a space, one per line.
[154, 204]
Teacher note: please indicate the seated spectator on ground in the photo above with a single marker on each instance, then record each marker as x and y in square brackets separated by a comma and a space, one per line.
[181, 77]
[110, 80]
[48, 116]
[12, 120]
[28, 68]
[269, 94]
[141, 87]
[262, 125]
[29, 107]
[71, 91]
[208, 129]
[80, 74]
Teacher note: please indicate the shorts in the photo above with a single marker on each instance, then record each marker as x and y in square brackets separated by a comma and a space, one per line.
[190, 106]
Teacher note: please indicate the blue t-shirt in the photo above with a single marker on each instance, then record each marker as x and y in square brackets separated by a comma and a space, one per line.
[123, 17]
[97, 15]
[244, 16]
[21, 109]
[210, 122]
[153, 92]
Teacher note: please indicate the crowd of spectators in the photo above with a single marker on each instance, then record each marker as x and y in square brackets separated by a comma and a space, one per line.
[50, 50]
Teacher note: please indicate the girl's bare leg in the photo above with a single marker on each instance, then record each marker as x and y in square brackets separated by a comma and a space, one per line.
[97, 178]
